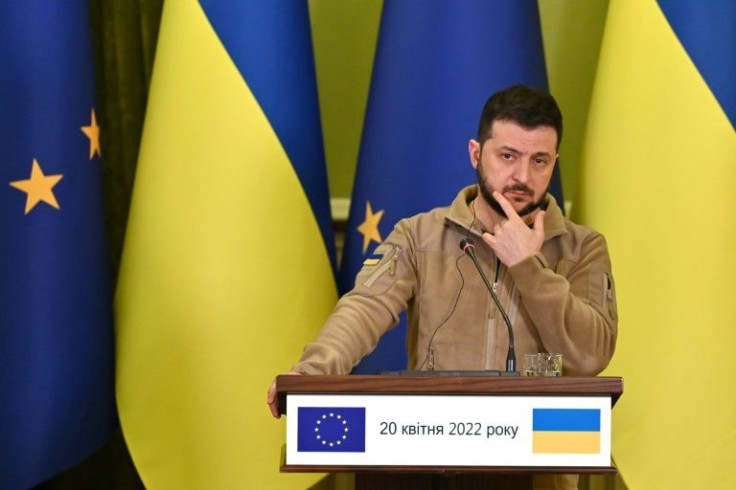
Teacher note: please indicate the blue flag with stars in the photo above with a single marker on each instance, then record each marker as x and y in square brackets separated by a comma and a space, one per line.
[433, 71]
[331, 429]
[56, 344]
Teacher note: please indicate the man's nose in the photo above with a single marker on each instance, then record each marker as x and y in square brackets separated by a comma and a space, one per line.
[521, 171]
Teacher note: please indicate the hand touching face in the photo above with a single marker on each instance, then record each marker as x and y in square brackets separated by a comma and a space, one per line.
[513, 240]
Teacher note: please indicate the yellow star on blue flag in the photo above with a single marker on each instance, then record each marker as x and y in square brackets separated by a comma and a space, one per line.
[38, 187]
[369, 227]
[93, 133]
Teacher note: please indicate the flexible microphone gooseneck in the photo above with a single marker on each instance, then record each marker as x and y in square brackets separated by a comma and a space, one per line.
[467, 246]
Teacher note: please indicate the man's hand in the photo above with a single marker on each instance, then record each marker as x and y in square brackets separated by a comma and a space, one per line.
[513, 241]
[272, 399]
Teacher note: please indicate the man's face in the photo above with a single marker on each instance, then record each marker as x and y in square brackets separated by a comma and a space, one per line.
[517, 162]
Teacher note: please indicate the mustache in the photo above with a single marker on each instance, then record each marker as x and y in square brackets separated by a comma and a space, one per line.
[518, 188]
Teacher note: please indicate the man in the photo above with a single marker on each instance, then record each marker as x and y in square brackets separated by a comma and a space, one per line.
[552, 276]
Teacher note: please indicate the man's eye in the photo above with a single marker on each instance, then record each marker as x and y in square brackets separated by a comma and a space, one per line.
[507, 156]
[540, 162]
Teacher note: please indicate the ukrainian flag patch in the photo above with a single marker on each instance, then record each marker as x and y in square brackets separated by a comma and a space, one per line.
[372, 259]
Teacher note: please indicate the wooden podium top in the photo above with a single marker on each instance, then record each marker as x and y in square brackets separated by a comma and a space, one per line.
[448, 385]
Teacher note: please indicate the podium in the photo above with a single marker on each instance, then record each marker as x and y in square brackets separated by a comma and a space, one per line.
[413, 431]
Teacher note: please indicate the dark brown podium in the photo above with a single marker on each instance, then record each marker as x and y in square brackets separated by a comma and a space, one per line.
[488, 388]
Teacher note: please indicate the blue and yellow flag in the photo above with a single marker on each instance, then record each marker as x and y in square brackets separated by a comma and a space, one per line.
[226, 274]
[659, 170]
[566, 431]
[434, 69]
[56, 337]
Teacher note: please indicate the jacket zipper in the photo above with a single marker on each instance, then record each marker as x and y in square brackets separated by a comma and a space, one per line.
[496, 276]
[607, 292]
[390, 266]
[498, 318]
[490, 346]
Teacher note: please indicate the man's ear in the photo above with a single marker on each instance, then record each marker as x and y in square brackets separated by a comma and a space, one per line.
[474, 152]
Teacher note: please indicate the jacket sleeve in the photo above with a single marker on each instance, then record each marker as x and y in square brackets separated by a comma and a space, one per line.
[573, 307]
[382, 291]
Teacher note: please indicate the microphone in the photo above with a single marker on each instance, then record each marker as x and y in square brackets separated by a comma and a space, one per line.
[467, 246]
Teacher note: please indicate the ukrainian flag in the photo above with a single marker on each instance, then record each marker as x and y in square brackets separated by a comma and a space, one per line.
[566, 430]
[226, 270]
[659, 169]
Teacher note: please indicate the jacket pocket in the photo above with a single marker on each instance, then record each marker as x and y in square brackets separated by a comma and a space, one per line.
[388, 265]
[609, 297]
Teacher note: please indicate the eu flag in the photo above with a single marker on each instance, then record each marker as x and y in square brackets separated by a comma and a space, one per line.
[434, 69]
[56, 344]
[331, 429]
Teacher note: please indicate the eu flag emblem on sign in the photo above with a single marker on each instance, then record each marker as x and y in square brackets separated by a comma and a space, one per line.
[331, 429]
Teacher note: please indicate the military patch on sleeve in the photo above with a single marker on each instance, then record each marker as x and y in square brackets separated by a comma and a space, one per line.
[380, 270]
[372, 260]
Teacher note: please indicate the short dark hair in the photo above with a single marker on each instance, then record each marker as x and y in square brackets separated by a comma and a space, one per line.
[526, 106]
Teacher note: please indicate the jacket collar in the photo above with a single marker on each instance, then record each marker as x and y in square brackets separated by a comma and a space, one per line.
[461, 214]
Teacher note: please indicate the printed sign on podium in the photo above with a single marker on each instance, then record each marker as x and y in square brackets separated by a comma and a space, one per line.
[415, 430]
[342, 423]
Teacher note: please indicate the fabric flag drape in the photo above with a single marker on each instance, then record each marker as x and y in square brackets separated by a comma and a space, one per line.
[226, 274]
[56, 338]
[434, 69]
[659, 170]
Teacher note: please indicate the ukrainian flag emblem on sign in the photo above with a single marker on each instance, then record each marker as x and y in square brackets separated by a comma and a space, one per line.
[568, 431]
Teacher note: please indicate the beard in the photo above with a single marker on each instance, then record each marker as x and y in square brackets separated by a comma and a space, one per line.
[487, 193]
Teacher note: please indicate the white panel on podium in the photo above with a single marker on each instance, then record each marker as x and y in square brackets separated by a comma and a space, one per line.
[448, 430]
